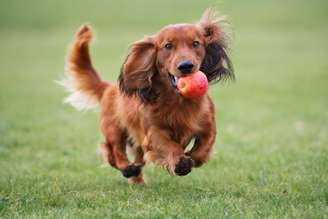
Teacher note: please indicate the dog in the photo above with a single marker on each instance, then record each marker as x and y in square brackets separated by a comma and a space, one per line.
[144, 110]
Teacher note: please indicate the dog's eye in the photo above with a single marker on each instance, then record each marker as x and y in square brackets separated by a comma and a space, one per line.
[168, 46]
[195, 44]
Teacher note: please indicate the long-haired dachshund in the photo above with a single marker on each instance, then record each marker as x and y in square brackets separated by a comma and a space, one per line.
[144, 111]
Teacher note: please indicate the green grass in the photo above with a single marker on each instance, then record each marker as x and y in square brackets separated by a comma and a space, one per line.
[271, 154]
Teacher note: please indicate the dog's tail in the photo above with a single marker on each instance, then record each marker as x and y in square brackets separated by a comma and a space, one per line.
[82, 81]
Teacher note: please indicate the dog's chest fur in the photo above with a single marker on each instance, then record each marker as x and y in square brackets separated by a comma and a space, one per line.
[180, 117]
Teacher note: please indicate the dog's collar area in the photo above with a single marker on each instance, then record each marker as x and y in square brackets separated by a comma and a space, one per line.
[173, 79]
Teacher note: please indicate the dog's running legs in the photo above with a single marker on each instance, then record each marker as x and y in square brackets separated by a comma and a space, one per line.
[163, 150]
[115, 155]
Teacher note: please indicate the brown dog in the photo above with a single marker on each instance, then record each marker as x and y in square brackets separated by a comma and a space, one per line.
[144, 111]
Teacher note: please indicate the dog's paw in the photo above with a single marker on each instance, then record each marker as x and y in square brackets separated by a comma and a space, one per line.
[184, 166]
[131, 170]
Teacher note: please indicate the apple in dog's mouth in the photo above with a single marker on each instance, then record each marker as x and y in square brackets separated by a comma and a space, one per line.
[193, 85]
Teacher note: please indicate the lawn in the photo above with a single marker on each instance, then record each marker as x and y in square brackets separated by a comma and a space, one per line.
[271, 153]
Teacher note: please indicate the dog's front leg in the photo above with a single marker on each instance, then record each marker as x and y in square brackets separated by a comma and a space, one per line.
[163, 150]
[203, 145]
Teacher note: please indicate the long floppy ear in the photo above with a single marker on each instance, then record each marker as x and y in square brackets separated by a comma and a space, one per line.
[139, 67]
[216, 64]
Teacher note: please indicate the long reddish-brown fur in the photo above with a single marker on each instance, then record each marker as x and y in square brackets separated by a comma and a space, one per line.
[144, 111]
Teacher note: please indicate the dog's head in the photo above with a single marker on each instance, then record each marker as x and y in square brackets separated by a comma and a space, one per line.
[177, 50]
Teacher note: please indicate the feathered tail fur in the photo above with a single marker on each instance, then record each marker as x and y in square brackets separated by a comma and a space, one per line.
[82, 81]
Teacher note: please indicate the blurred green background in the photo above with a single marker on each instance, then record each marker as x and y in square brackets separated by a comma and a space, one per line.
[271, 154]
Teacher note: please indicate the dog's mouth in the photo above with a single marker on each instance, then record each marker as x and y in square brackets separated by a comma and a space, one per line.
[174, 81]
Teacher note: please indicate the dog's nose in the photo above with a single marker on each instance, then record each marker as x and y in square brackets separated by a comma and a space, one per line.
[185, 67]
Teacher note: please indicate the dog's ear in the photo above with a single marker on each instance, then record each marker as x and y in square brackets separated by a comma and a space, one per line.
[216, 64]
[139, 67]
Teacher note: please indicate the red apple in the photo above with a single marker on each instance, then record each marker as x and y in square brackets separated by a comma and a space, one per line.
[193, 85]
